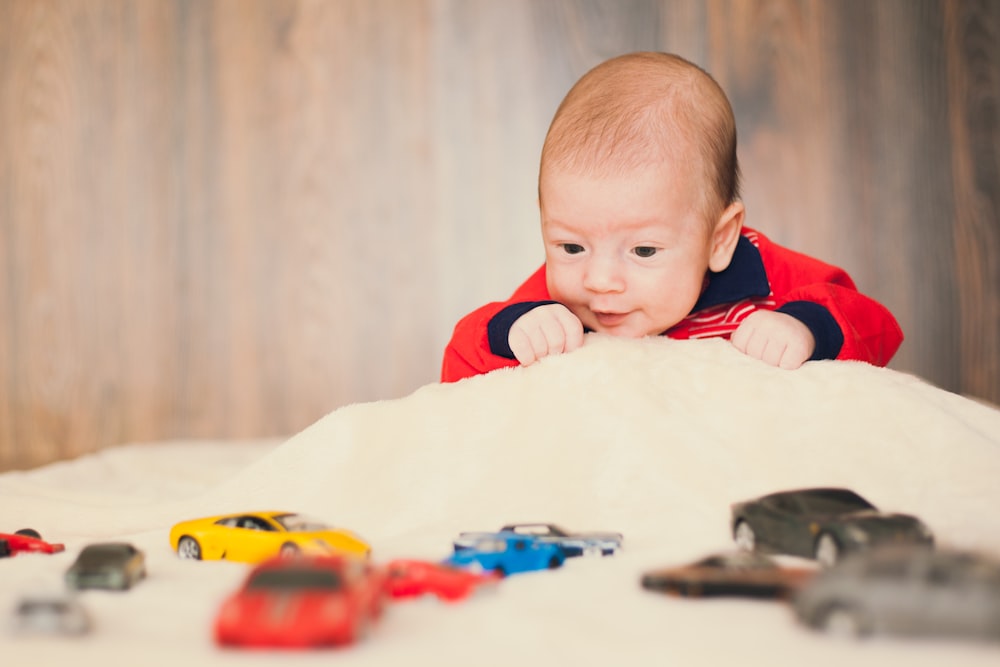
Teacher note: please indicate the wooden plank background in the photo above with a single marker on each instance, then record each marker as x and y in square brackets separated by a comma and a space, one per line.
[226, 218]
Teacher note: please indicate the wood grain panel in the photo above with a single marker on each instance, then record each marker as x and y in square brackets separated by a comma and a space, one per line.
[842, 107]
[973, 75]
[226, 218]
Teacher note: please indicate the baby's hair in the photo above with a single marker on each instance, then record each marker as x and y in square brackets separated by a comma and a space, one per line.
[643, 108]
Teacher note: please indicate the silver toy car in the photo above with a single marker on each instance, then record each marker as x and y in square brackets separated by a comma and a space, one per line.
[906, 591]
[51, 614]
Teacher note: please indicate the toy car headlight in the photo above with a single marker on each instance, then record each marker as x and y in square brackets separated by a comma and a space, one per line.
[230, 612]
[333, 610]
[857, 535]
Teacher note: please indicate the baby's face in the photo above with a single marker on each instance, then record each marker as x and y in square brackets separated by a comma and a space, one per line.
[627, 255]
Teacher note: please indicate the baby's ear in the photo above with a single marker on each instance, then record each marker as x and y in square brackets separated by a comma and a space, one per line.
[725, 236]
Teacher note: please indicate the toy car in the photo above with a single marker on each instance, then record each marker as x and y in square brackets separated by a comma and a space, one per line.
[26, 540]
[51, 614]
[737, 573]
[820, 523]
[253, 537]
[413, 578]
[905, 591]
[114, 565]
[507, 553]
[300, 602]
[573, 544]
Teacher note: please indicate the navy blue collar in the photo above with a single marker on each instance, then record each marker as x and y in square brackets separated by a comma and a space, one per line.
[744, 277]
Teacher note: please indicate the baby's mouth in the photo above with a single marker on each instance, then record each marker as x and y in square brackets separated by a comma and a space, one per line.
[609, 320]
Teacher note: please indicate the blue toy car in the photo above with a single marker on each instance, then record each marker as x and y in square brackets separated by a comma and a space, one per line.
[573, 543]
[508, 553]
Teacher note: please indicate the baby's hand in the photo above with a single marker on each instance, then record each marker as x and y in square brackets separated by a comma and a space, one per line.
[777, 338]
[548, 329]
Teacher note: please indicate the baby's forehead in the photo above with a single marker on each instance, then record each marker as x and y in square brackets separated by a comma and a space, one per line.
[675, 171]
[640, 199]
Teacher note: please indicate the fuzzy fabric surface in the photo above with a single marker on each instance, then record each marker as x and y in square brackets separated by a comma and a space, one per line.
[652, 438]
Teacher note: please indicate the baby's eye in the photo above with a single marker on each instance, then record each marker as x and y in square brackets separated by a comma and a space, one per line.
[644, 251]
[572, 248]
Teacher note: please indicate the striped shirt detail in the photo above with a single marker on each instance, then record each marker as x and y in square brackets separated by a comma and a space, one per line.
[722, 320]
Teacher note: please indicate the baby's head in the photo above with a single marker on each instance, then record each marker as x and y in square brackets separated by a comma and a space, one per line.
[639, 193]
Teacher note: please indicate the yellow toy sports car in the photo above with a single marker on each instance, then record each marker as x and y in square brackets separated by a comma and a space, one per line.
[253, 537]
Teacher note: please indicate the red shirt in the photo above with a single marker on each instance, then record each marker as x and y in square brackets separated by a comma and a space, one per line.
[762, 274]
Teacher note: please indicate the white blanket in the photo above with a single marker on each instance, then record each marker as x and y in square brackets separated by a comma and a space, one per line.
[652, 438]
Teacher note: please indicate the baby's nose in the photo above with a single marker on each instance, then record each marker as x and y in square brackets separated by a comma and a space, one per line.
[603, 275]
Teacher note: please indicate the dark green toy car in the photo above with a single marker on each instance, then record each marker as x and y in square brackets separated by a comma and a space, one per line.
[821, 523]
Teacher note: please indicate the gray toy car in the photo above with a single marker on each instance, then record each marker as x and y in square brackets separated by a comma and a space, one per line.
[51, 614]
[821, 523]
[905, 591]
[115, 565]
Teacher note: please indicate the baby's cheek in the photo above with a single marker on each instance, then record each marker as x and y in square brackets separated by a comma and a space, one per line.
[560, 286]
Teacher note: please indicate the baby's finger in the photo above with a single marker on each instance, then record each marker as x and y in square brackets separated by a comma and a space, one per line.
[755, 344]
[739, 339]
[793, 356]
[555, 336]
[521, 346]
[741, 336]
[572, 329]
[772, 351]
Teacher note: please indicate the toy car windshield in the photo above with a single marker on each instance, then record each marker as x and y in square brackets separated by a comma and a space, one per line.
[291, 579]
[738, 560]
[101, 554]
[297, 523]
[834, 502]
[29, 607]
[490, 544]
[544, 529]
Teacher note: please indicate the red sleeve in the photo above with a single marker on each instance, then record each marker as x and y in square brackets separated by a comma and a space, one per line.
[871, 333]
[468, 353]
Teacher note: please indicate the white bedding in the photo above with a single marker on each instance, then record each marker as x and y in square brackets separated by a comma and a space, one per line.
[653, 438]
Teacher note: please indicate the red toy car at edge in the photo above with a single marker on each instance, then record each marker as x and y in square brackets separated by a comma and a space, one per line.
[413, 578]
[300, 602]
[26, 540]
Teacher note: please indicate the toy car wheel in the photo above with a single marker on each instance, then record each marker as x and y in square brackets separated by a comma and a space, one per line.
[845, 621]
[289, 550]
[500, 571]
[689, 589]
[28, 532]
[744, 536]
[555, 562]
[827, 550]
[188, 548]
[361, 629]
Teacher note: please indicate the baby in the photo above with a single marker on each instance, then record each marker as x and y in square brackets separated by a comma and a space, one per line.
[643, 232]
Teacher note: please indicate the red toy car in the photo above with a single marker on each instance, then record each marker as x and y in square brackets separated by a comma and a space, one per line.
[26, 540]
[301, 602]
[413, 578]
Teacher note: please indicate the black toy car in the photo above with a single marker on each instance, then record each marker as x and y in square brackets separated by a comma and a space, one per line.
[115, 565]
[820, 523]
[905, 591]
